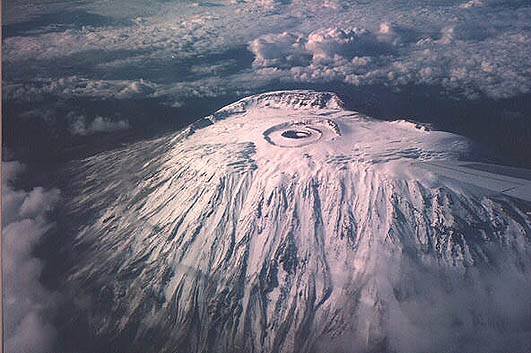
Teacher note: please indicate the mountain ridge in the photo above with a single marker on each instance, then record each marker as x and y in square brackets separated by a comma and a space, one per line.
[230, 236]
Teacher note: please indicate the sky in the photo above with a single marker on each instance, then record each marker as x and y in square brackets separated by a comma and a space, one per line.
[81, 77]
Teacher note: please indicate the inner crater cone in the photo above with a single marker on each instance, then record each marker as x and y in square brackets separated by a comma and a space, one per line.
[294, 134]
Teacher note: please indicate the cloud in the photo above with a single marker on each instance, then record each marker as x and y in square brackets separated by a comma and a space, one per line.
[79, 125]
[75, 86]
[307, 41]
[360, 57]
[329, 43]
[472, 4]
[27, 303]
[430, 309]
[279, 50]
[325, 46]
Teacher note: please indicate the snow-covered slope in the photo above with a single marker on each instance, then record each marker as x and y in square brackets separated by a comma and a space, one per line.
[284, 223]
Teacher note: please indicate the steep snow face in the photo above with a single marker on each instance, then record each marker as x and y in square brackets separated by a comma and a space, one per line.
[284, 223]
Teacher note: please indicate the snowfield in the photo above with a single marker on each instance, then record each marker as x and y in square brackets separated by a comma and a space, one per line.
[284, 223]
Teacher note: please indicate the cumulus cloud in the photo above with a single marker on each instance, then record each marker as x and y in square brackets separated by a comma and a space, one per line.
[307, 41]
[330, 43]
[279, 50]
[324, 46]
[472, 4]
[360, 57]
[27, 303]
[351, 55]
[76, 86]
[81, 125]
[480, 309]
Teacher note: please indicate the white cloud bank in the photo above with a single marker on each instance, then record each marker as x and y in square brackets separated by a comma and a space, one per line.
[475, 48]
[360, 57]
[27, 303]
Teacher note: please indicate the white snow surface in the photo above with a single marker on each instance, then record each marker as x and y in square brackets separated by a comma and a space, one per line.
[230, 236]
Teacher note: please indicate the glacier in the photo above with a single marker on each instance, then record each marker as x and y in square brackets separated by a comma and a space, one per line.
[286, 223]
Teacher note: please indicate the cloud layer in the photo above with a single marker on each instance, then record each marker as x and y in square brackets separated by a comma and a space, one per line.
[476, 48]
[27, 303]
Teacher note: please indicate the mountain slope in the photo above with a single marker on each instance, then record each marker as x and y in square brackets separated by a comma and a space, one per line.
[283, 223]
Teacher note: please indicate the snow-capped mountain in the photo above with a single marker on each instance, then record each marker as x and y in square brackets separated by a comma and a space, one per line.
[284, 223]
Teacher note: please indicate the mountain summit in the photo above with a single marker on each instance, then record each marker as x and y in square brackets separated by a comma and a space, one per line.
[285, 223]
